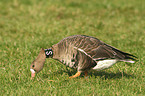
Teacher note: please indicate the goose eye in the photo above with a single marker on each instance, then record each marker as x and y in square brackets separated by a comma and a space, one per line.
[33, 65]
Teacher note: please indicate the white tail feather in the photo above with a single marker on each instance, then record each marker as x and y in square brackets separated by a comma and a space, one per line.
[128, 61]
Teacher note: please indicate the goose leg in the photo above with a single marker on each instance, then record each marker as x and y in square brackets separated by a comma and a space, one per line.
[86, 73]
[76, 75]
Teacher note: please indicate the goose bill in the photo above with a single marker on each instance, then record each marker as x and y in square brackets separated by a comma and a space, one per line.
[32, 73]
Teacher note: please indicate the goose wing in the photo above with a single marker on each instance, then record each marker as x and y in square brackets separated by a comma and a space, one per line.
[98, 50]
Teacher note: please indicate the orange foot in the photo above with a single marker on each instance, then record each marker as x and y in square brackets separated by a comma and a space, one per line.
[76, 75]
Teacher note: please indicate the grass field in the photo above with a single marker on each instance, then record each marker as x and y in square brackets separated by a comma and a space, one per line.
[26, 26]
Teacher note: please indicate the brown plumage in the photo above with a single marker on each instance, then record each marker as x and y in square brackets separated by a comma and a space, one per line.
[82, 53]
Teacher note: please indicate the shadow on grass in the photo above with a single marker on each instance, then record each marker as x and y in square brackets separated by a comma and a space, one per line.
[111, 75]
[103, 74]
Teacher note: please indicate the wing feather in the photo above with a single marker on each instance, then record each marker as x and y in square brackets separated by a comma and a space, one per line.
[97, 49]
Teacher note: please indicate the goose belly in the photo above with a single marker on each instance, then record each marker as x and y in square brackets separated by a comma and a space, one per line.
[69, 60]
[104, 64]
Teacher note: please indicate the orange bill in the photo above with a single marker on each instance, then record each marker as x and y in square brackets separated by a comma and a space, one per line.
[32, 73]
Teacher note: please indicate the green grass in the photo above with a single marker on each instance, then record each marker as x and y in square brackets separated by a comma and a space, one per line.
[26, 26]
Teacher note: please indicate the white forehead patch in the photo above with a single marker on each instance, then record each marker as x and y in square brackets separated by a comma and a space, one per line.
[32, 70]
